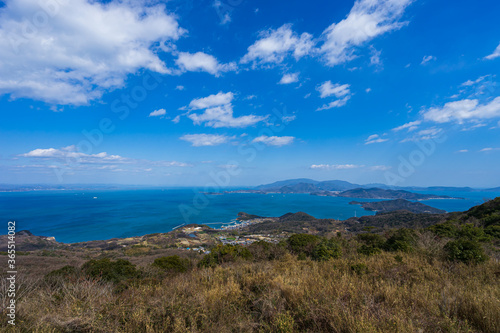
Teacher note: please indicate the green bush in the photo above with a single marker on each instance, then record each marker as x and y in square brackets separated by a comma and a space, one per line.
[303, 243]
[114, 271]
[493, 231]
[225, 253]
[446, 229]
[172, 263]
[359, 269]
[262, 250]
[374, 240]
[470, 232]
[401, 240]
[369, 250]
[326, 250]
[466, 251]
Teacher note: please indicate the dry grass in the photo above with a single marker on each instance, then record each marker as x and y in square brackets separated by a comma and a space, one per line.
[414, 295]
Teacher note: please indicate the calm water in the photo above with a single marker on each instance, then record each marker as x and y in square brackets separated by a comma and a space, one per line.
[74, 216]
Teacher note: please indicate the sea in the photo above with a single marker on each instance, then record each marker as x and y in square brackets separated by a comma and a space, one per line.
[84, 215]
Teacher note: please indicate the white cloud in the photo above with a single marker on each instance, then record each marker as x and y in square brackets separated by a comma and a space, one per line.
[341, 91]
[471, 83]
[375, 57]
[71, 153]
[70, 158]
[380, 168]
[463, 151]
[202, 140]
[84, 49]
[277, 141]
[489, 149]
[222, 11]
[335, 104]
[274, 45]
[375, 138]
[327, 89]
[462, 110]
[288, 119]
[219, 112]
[426, 59]
[202, 62]
[211, 101]
[367, 20]
[180, 88]
[177, 119]
[495, 53]
[289, 78]
[411, 126]
[222, 116]
[157, 113]
[334, 166]
[425, 134]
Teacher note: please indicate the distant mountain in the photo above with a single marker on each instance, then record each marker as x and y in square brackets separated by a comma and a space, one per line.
[289, 182]
[341, 185]
[378, 193]
[398, 204]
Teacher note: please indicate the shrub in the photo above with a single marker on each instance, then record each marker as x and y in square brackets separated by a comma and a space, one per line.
[473, 233]
[466, 251]
[108, 270]
[65, 272]
[263, 250]
[446, 229]
[225, 253]
[172, 263]
[368, 250]
[493, 231]
[401, 240]
[374, 240]
[359, 269]
[326, 250]
[303, 243]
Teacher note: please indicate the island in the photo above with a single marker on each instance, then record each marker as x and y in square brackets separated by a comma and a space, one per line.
[398, 204]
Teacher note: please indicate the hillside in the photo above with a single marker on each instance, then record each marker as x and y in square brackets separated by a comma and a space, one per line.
[292, 273]
[398, 204]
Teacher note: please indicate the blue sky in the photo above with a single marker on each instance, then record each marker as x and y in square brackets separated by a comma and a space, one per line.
[246, 92]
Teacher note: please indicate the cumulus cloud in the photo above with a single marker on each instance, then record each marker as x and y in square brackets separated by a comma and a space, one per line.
[366, 20]
[202, 62]
[274, 45]
[71, 158]
[338, 43]
[327, 89]
[334, 166]
[84, 49]
[72, 153]
[202, 140]
[276, 141]
[489, 149]
[289, 78]
[463, 110]
[495, 54]
[158, 113]
[375, 138]
[211, 101]
[219, 112]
